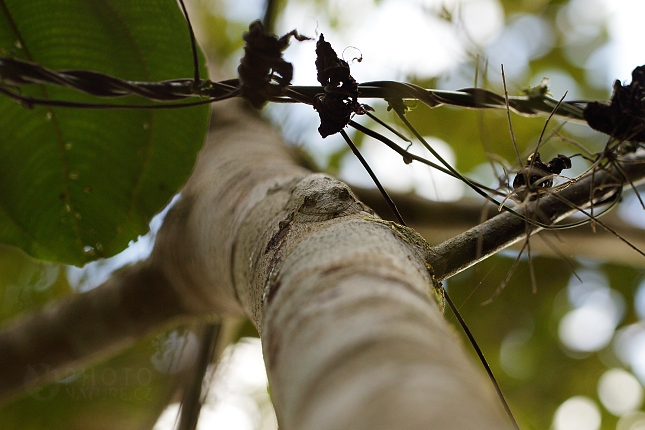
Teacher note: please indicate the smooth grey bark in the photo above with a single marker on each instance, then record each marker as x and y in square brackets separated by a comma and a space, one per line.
[352, 335]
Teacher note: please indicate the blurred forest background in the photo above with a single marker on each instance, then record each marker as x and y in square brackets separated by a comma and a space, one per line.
[569, 352]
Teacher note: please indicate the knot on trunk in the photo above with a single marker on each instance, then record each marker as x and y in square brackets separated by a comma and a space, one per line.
[319, 198]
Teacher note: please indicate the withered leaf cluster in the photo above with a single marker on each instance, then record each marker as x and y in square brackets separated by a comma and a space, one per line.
[539, 173]
[263, 72]
[339, 100]
[624, 117]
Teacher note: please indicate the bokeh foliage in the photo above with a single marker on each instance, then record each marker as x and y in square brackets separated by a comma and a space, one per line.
[543, 373]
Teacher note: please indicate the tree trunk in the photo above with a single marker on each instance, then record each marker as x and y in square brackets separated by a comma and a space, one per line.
[344, 302]
[352, 335]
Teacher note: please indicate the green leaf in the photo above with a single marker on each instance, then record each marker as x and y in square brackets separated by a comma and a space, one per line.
[79, 184]
[27, 284]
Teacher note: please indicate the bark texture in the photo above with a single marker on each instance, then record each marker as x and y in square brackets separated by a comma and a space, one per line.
[352, 336]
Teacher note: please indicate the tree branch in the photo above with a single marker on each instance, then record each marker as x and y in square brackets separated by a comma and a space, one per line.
[437, 221]
[483, 240]
[44, 345]
[351, 333]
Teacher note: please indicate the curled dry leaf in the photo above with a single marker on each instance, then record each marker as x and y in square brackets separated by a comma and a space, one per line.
[263, 63]
[538, 173]
[339, 100]
[624, 117]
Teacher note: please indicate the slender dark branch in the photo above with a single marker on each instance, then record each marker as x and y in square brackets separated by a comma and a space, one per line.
[474, 186]
[478, 243]
[193, 395]
[408, 157]
[270, 14]
[510, 123]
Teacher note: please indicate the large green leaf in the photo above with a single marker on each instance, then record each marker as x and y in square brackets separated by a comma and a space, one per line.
[79, 184]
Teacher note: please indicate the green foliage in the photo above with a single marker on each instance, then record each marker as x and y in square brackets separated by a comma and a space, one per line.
[79, 184]
[26, 284]
[530, 389]
[521, 329]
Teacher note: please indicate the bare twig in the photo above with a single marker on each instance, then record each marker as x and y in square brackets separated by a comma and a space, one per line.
[460, 252]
